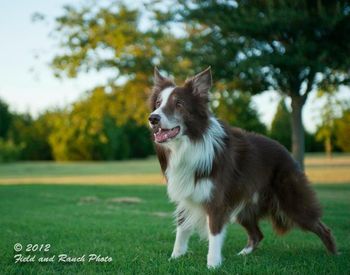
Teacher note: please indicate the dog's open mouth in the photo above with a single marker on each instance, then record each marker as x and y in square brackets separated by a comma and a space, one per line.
[162, 135]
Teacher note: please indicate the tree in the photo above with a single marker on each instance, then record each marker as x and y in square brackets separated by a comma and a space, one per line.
[281, 127]
[110, 122]
[92, 130]
[96, 38]
[291, 46]
[328, 114]
[9, 151]
[312, 144]
[237, 109]
[108, 38]
[281, 130]
[5, 119]
[342, 132]
[32, 136]
[86, 131]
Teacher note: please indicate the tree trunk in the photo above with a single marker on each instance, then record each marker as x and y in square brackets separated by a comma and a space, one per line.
[298, 137]
[328, 146]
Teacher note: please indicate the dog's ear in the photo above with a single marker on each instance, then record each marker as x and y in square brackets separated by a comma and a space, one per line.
[158, 79]
[201, 83]
[161, 82]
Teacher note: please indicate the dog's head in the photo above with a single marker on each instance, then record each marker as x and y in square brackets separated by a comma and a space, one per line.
[179, 111]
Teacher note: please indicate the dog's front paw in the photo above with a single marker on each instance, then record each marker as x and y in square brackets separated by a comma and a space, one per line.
[177, 253]
[213, 261]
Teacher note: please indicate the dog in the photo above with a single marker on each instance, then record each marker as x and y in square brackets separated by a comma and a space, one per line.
[216, 174]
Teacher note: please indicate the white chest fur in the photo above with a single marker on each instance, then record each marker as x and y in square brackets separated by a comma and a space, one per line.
[186, 158]
[184, 188]
[189, 195]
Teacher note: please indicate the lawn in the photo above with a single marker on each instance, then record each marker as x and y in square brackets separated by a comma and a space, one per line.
[138, 233]
[318, 168]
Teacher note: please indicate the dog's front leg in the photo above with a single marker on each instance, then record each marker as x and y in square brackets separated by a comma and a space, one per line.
[216, 233]
[181, 241]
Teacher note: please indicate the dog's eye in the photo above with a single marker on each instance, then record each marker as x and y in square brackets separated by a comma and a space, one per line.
[178, 104]
[157, 104]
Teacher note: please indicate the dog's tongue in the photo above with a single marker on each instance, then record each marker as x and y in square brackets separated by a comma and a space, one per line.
[165, 134]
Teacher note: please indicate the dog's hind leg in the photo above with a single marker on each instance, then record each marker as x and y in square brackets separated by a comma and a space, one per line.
[326, 236]
[254, 236]
[324, 233]
[298, 201]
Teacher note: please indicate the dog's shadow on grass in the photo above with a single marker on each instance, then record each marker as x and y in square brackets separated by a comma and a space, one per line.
[280, 255]
[288, 257]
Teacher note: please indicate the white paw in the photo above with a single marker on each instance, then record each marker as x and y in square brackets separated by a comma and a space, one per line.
[178, 253]
[213, 261]
[246, 251]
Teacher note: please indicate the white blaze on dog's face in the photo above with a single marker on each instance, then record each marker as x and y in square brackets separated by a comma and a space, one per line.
[169, 125]
[179, 111]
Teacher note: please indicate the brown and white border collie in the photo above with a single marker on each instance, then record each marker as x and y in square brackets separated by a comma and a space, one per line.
[216, 174]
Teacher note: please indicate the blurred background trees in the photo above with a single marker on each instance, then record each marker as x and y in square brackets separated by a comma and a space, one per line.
[293, 47]
[237, 109]
[342, 132]
[281, 127]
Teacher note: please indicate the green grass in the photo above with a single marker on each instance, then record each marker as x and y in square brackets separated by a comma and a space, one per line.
[140, 240]
[47, 168]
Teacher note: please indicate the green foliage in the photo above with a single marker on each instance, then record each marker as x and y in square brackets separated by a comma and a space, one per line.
[93, 130]
[252, 46]
[110, 122]
[33, 135]
[139, 140]
[277, 44]
[24, 137]
[328, 114]
[99, 39]
[342, 131]
[9, 151]
[290, 46]
[281, 128]
[312, 144]
[332, 129]
[109, 39]
[5, 119]
[115, 41]
[237, 109]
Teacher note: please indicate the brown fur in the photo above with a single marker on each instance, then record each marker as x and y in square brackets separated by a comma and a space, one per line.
[249, 164]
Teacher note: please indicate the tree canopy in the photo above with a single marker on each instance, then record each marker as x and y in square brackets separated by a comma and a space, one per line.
[342, 131]
[237, 109]
[281, 125]
[109, 39]
[5, 119]
[291, 46]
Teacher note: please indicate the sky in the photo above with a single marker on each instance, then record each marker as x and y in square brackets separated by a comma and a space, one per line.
[27, 83]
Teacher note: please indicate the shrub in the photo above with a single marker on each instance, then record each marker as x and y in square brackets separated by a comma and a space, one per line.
[9, 151]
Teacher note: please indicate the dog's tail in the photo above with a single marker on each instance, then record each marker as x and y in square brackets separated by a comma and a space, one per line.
[295, 204]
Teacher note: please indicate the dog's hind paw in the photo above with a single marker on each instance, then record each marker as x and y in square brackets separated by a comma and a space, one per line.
[245, 251]
[177, 254]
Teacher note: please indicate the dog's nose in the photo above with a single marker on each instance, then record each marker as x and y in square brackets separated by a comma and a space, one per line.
[154, 119]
